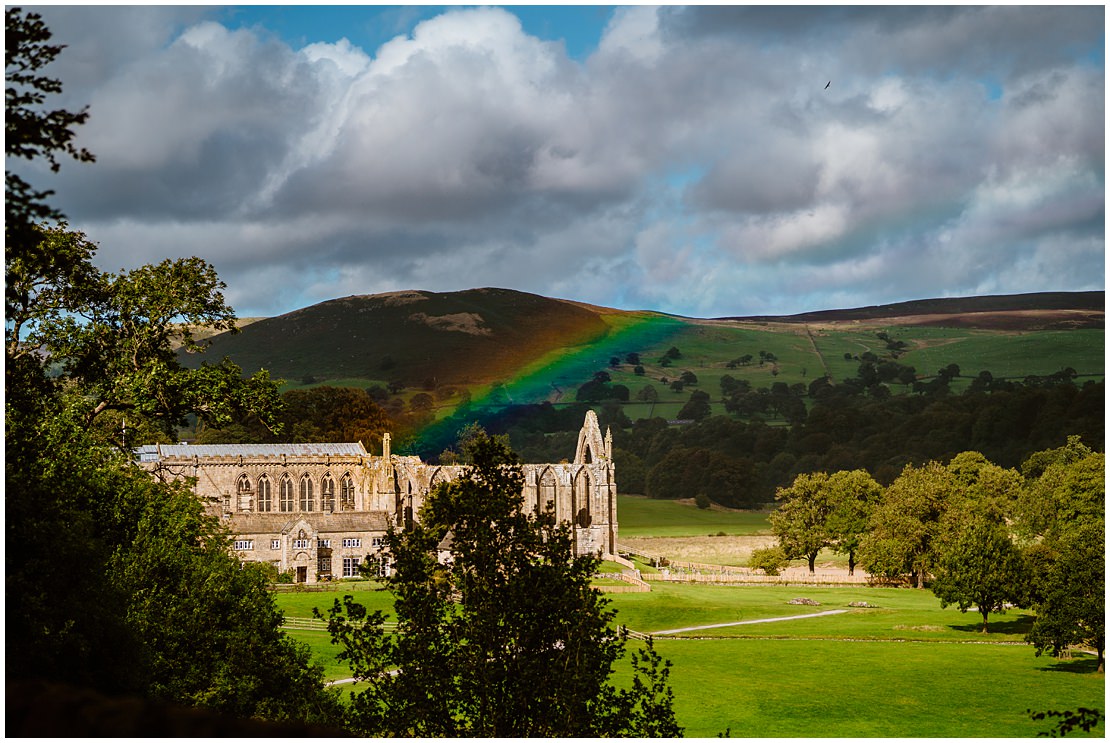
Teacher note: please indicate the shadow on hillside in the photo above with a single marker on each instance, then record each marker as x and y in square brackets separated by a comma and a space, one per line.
[1000, 626]
[1075, 665]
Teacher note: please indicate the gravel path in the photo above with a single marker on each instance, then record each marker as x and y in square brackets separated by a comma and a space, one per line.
[751, 621]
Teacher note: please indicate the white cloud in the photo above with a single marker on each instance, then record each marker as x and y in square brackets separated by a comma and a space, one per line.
[469, 153]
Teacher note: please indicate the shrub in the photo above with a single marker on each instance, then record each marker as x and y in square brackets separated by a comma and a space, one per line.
[702, 501]
[771, 560]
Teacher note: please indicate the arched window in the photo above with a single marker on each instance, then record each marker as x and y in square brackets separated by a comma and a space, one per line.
[327, 493]
[582, 492]
[347, 493]
[285, 490]
[547, 492]
[244, 485]
[264, 502]
[307, 502]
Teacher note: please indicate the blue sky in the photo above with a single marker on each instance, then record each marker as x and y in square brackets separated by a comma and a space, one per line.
[687, 160]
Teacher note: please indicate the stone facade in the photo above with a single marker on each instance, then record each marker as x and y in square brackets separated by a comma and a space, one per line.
[318, 511]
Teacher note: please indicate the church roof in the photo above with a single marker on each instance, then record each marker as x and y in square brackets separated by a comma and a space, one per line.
[157, 452]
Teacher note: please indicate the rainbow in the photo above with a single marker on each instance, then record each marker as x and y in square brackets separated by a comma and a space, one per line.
[554, 377]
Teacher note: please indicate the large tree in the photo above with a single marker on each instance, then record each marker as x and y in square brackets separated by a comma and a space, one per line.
[115, 580]
[503, 638]
[853, 495]
[1063, 509]
[1071, 594]
[978, 565]
[801, 520]
[904, 525]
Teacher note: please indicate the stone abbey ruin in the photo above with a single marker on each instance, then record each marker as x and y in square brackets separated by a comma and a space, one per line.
[319, 511]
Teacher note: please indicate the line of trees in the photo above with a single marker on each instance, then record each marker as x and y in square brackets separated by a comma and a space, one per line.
[981, 536]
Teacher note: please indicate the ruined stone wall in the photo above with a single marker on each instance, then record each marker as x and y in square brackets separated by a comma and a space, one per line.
[313, 509]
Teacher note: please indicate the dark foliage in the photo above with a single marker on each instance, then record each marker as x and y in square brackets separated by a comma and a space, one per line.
[505, 638]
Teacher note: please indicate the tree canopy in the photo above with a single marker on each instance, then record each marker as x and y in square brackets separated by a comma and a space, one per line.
[117, 580]
[504, 636]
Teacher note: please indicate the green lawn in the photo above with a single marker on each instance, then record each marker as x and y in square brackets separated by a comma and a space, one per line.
[367, 593]
[905, 669]
[900, 614]
[644, 517]
[815, 688]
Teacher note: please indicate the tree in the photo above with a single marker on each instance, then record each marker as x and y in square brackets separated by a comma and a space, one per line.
[771, 560]
[801, 520]
[1071, 592]
[1063, 506]
[904, 525]
[977, 565]
[505, 638]
[333, 414]
[32, 133]
[853, 495]
[211, 633]
[1065, 487]
[106, 553]
[697, 407]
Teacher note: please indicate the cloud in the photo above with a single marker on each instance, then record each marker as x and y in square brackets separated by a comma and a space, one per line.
[694, 162]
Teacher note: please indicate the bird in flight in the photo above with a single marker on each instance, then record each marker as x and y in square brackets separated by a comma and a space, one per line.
[828, 84]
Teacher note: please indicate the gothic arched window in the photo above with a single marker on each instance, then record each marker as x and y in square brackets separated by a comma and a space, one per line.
[327, 493]
[285, 490]
[307, 502]
[347, 493]
[547, 492]
[264, 502]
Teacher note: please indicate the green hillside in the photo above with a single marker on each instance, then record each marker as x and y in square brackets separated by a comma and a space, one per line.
[463, 338]
[503, 347]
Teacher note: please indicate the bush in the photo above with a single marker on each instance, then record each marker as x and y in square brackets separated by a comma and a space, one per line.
[284, 578]
[702, 501]
[771, 560]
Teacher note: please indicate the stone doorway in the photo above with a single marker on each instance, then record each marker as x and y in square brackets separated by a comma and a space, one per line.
[302, 573]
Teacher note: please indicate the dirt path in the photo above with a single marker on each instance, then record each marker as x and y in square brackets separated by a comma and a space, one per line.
[830, 612]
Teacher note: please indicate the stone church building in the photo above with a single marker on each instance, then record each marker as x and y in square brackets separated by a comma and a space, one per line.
[318, 511]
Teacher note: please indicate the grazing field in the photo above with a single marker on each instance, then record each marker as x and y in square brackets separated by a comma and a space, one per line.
[644, 517]
[903, 668]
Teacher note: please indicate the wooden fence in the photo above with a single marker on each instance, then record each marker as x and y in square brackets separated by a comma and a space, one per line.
[678, 571]
[319, 625]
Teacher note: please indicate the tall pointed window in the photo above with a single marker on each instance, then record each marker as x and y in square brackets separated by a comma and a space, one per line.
[327, 493]
[307, 501]
[347, 493]
[286, 493]
[547, 492]
[264, 502]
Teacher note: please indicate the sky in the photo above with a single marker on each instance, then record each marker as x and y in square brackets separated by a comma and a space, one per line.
[709, 161]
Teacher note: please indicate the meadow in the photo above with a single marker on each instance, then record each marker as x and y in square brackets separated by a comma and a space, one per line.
[901, 666]
[642, 517]
[904, 668]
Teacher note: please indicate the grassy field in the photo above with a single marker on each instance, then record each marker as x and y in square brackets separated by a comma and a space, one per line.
[803, 356]
[814, 688]
[906, 668]
[645, 517]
